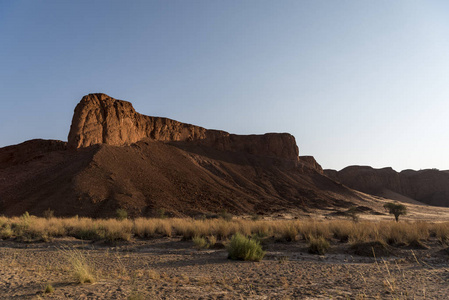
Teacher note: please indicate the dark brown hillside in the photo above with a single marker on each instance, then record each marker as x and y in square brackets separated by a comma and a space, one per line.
[182, 178]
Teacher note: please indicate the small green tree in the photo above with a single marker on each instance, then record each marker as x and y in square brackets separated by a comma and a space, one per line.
[396, 209]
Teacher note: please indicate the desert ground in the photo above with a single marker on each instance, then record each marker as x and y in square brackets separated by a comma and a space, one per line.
[410, 263]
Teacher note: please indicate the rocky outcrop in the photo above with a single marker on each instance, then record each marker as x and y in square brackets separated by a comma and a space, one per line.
[310, 162]
[100, 119]
[426, 186]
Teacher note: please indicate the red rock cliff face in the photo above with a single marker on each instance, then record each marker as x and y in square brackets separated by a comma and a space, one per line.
[100, 119]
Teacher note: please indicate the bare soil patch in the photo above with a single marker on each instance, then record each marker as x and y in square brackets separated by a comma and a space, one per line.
[170, 268]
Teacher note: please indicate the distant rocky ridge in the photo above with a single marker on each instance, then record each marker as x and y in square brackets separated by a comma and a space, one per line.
[100, 119]
[429, 186]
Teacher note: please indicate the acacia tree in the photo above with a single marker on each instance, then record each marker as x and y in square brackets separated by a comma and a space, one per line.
[396, 209]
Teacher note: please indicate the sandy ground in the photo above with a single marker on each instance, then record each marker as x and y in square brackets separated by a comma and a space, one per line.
[169, 268]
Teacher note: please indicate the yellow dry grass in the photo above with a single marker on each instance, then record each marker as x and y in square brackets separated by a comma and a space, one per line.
[405, 232]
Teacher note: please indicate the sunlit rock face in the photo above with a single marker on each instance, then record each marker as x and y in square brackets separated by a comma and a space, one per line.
[100, 119]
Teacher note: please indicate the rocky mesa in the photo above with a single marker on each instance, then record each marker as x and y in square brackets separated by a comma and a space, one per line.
[100, 119]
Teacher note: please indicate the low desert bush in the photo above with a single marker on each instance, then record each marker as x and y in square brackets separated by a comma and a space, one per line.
[48, 289]
[203, 243]
[6, 232]
[121, 214]
[243, 248]
[200, 242]
[318, 245]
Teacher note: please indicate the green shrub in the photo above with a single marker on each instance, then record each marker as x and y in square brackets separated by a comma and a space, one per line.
[121, 214]
[318, 245]
[243, 248]
[6, 232]
[49, 289]
[200, 242]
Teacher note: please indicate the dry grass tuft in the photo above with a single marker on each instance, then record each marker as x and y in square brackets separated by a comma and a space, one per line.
[83, 271]
[318, 245]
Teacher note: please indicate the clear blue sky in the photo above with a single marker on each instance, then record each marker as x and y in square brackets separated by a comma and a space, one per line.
[356, 82]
